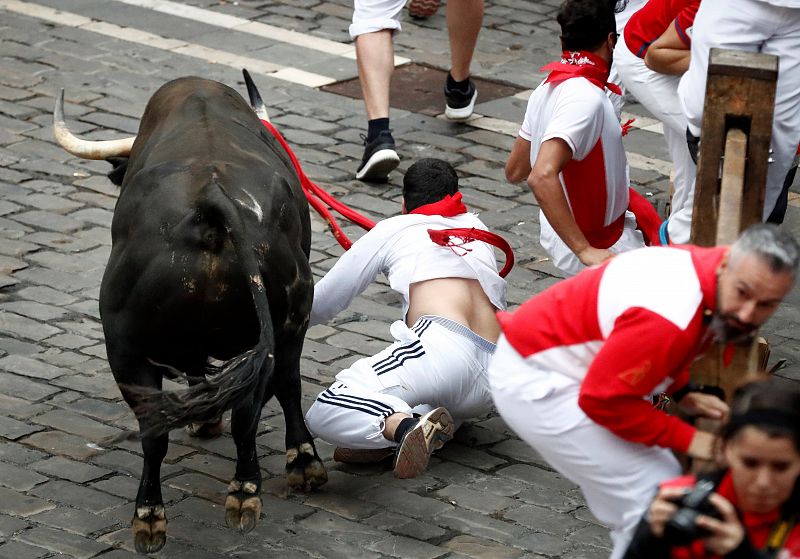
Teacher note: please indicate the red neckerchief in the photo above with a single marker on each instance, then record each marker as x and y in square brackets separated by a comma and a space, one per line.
[448, 206]
[580, 64]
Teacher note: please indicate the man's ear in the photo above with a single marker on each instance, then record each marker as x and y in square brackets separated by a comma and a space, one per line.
[723, 265]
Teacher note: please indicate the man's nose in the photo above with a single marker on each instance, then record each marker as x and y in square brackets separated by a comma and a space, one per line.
[747, 312]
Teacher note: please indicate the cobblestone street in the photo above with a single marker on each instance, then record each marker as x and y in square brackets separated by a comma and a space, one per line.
[63, 491]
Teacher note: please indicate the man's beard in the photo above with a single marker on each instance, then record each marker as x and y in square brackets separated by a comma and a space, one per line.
[728, 329]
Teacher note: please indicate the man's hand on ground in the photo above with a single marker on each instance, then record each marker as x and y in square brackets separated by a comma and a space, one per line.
[591, 256]
[704, 405]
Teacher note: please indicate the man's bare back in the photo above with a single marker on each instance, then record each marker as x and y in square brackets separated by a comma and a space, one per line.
[459, 299]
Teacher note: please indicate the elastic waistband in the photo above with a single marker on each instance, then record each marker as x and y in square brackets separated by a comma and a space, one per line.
[482, 343]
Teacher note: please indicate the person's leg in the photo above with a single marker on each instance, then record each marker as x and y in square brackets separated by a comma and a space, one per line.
[422, 9]
[658, 93]
[617, 478]
[353, 416]
[374, 22]
[680, 217]
[464, 20]
[785, 43]
[375, 58]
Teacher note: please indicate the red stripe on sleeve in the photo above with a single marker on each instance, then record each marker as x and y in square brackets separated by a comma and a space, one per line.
[642, 351]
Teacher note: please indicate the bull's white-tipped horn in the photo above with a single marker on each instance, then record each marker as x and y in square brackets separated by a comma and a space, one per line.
[86, 149]
[255, 97]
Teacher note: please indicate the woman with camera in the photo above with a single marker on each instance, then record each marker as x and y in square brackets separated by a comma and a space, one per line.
[750, 508]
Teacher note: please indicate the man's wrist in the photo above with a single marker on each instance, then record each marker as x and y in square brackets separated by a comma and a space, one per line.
[679, 394]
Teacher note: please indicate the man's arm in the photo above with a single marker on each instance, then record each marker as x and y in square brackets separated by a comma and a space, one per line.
[669, 54]
[351, 275]
[518, 166]
[641, 352]
[543, 180]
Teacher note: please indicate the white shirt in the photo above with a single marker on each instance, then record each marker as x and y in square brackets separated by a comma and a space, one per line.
[580, 113]
[400, 248]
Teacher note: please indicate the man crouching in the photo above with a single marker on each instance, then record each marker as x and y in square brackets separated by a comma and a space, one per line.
[408, 398]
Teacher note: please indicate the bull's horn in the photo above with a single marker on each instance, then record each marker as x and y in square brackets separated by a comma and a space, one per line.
[86, 149]
[255, 97]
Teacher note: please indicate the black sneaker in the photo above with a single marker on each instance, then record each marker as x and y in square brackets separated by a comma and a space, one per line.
[379, 159]
[459, 104]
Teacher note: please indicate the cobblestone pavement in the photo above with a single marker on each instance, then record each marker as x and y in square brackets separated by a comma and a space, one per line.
[62, 493]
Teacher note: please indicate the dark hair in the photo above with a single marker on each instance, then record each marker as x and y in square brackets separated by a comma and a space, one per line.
[585, 24]
[428, 181]
[771, 405]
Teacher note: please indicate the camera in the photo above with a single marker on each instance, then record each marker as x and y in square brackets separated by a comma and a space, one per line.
[682, 529]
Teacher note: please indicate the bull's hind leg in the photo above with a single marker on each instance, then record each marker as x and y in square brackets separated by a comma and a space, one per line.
[243, 504]
[304, 469]
[210, 429]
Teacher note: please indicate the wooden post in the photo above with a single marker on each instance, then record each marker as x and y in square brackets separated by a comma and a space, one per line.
[731, 183]
[730, 189]
[740, 94]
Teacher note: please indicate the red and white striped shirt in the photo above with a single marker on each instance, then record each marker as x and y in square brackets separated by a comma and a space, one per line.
[625, 330]
[595, 181]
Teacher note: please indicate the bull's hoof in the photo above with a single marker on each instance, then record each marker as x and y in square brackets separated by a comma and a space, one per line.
[304, 469]
[149, 529]
[242, 506]
[207, 430]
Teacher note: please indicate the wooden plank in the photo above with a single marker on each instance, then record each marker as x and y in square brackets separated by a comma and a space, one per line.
[731, 193]
[740, 93]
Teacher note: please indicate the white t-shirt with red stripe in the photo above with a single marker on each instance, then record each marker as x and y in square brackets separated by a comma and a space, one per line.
[401, 248]
[595, 181]
[623, 331]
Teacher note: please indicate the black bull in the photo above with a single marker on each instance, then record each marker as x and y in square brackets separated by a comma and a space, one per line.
[209, 264]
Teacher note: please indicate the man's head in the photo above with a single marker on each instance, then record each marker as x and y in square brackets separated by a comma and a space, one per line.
[428, 181]
[753, 279]
[589, 25]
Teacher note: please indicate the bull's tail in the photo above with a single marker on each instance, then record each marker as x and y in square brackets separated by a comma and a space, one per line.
[236, 381]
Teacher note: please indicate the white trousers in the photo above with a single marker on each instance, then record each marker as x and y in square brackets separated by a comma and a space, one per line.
[659, 95]
[565, 260]
[756, 26]
[436, 362]
[618, 478]
[370, 16]
[631, 7]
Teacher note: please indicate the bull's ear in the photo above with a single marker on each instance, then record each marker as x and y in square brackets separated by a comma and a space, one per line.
[117, 174]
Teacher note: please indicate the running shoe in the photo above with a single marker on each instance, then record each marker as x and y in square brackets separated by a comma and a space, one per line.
[380, 158]
[460, 104]
[421, 9]
[430, 433]
[362, 455]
